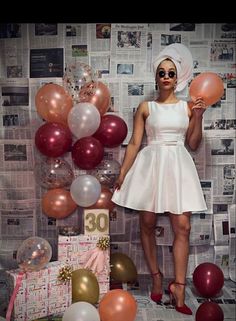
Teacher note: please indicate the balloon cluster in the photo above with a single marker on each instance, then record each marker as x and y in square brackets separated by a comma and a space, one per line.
[208, 280]
[76, 122]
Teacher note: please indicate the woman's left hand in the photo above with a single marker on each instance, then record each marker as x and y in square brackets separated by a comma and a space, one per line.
[199, 107]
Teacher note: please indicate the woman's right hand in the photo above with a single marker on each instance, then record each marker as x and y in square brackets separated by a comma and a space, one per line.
[118, 182]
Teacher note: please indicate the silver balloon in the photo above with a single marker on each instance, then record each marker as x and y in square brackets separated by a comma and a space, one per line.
[85, 190]
[106, 172]
[53, 173]
[76, 76]
[33, 254]
[81, 311]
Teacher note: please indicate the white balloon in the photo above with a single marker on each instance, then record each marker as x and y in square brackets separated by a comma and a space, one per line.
[85, 190]
[81, 311]
[83, 120]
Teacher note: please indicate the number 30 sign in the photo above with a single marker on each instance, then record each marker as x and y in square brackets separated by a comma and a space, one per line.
[96, 221]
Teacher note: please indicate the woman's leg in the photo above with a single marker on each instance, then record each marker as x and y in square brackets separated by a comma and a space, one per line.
[181, 228]
[148, 222]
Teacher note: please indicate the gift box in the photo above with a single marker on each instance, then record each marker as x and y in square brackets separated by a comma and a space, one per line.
[41, 293]
[81, 251]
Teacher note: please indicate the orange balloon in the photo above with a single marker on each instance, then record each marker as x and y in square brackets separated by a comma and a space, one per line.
[104, 200]
[117, 305]
[207, 85]
[96, 93]
[58, 203]
[53, 103]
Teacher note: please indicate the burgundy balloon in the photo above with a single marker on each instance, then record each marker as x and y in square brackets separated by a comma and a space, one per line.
[53, 139]
[112, 131]
[209, 311]
[208, 279]
[87, 152]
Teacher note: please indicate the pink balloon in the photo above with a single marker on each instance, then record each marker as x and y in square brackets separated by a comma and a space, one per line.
[209, 86]
[53, 103]
[87, 152]
[53, 139]
[96, 93]
[112, 131]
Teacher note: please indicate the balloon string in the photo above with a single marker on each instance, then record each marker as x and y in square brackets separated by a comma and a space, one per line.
[14, 294]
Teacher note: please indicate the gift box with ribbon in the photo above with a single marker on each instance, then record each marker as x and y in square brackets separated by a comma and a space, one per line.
[90, 252]
[41, 293]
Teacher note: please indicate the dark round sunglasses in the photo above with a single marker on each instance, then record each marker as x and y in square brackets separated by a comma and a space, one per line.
[162, 73]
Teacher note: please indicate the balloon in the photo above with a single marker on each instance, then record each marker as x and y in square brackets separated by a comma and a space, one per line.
[87, 152]
[209, 311]
[208, 279]
[112, 131]
[106, 172]
[53, 173]
[53, 103]
[99, 96]
[207, 85]
[33, 254]
[85, 190]
[122, 268]
[76, 76]
[117, 305]
[104, 200]
[53, 139]
[83, 120]
[84, 286]
[81, 311]
[58, 203]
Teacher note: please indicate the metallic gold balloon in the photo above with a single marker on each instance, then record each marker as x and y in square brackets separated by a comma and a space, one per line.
[84, 286]
[122, 268]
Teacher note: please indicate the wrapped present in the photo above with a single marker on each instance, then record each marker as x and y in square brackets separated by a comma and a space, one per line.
[41, 293]
[87, 251]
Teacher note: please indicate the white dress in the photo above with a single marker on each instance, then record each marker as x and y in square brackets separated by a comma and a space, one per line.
[163, 177]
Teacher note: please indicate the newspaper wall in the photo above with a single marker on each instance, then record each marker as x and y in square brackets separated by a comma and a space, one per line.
[37, 53]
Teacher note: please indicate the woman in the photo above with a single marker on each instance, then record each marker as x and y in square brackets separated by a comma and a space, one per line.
[162, 177]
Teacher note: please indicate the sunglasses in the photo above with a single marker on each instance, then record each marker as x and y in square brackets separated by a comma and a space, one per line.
[162, 73]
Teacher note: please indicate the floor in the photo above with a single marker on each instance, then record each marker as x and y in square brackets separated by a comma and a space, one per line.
[150, 311]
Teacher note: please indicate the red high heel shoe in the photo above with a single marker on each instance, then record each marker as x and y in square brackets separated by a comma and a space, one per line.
[184, 309]
[156, 297]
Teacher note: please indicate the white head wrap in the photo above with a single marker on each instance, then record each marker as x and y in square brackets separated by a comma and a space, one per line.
[183, 60]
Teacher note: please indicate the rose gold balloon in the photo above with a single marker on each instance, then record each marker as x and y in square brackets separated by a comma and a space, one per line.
[117, 305]
[53, 103]
[104, 200]
[58, 203]
[207, 85]
[100, 98]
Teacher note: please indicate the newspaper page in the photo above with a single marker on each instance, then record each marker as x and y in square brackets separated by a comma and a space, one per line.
[75, 42]
[200, 50]
[99, 36]
[117, 221]
[207, 189]
[203, 253]
[14, 53]
[232, 242]
[46, 35]
[221, 258]
[128, 50]
[220, 148]
[133, 93]
[224, 31]
[221, 228]
[223, 177]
